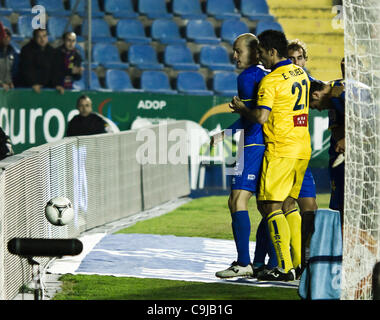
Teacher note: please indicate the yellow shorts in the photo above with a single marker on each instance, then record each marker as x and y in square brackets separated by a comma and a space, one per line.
[281, 177]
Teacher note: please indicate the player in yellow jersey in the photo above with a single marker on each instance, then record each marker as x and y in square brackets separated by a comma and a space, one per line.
[282, 108]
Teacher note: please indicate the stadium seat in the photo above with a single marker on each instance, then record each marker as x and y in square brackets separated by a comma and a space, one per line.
[179, 57]
[54, 7]
[215, 58]
[108, 56]
[231, 28]
[5, 11]
[19, 6]
[222, 9]
[255, 10]
[144, 57]
[201, 32]
[154, 9]
[100, 31]
[131, 31]
[81, 8]
[119, 80]
[24, 23]
[120, 8]
[81, 84]
[267, 25]
[56, 27]
[192, 82]
[224, 83]
[156, 81]
[6, 23]
[166, 31]
[188, 9]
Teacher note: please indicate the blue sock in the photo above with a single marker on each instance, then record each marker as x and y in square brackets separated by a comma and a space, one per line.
[261, 244]
[272, 263]
[241, 228]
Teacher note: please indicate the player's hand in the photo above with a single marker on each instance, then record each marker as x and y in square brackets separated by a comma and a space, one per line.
[37, 88]
[60, 89]
[236, 105]
[340, 146]
[216, 138]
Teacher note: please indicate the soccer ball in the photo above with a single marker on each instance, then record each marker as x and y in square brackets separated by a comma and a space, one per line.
[59, 211]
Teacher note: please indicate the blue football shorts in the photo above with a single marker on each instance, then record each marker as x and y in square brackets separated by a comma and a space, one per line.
[337, 186]
[248, 169]
[308, 186]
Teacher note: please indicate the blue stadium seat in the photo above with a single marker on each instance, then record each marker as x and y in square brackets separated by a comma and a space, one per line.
[54, 7]
[188, 9]
[131, 31]
[154, 9]
[267, 25]
[108, 56]
[81, 51]
[81, 8]
[215, 58]
[144, 57]
[179, 57]
[56, 27]
[119, 80]
[120, 8]
[4, 11]
[232, 28]
[156, 81]
[19, 6]
[100, 30]
[166, 31]
[192, 82]
[225, 84]
[201, 31]
[6, 23]
[81, 84]
[255, 10]
[24, 23]
[222, 9]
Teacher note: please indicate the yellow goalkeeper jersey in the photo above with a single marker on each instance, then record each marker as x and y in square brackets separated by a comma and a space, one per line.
[285, 92]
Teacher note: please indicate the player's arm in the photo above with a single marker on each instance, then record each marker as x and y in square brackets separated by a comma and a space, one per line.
[258, 115]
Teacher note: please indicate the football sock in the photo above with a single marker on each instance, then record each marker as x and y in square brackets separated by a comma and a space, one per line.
[241, 228]
[272, 262]
[307, 229]
[261, 244]
[264, 246]
[280, 236]
[293, 218]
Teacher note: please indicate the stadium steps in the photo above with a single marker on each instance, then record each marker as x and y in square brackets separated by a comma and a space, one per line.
[313, 25]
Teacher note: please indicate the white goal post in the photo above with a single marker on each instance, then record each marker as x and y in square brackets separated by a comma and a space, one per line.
[361, 226]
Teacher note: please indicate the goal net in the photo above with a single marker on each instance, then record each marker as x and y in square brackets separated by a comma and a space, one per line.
[361, 236]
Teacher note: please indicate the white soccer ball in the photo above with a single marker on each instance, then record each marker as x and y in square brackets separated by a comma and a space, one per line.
[59, 211]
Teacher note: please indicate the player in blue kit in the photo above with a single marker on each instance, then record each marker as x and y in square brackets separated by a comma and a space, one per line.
[248, 167]
[331, 96]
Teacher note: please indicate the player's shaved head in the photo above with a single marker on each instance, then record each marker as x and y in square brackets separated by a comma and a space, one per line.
[249, 39]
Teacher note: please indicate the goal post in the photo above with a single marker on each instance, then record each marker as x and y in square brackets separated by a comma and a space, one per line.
[361, 225]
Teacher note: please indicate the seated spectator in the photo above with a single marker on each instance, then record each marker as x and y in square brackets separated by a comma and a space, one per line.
[8, 61]
[68, 63]
[6, 148]
[86, 122]
[36, 68]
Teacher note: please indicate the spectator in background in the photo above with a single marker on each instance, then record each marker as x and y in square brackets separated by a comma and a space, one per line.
[37, 59]
[68, 63]
[8, 61]
[86, 122]
[6, 148]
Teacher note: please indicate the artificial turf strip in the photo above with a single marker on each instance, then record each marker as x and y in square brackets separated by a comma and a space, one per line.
[94, 287]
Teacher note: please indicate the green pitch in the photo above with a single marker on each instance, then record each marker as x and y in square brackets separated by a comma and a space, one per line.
[204, 217]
